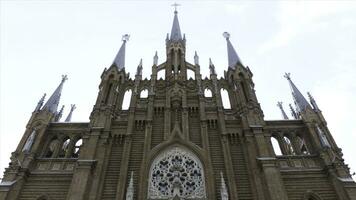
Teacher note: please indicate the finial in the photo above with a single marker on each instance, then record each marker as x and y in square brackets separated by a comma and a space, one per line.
[210, 62]
[211, 67]
[64, 78]
[294, 114]
[287, 76]
[125, 37]
[313, 102]
[284, 115]
[155, 59]
[69, 117]
[196, 58]
[226, 35]
[40, 103]
[175, 7]
[139, 69]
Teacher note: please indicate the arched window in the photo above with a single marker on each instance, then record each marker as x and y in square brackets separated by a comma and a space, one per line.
[174, 173]
[64, 148]
[52, 147]
[289, 146]
[208, 93]
[161, 74]
[190, 74]
[76, 149]
[276, 147]
[225, 99]
[144, 93]
[301, 146]
[127, 99]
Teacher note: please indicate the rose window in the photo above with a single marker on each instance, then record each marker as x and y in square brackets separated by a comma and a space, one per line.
[176, 173]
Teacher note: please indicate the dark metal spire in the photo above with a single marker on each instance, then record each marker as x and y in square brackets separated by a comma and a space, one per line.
[313, 102]
[69, 117]
[53, 101]
[120, 57]
[176, 34]
[284, 115]
[299, 99]
[233, 58]
[40, 103]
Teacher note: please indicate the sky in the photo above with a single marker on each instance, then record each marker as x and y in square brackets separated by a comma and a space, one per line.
[313, 40]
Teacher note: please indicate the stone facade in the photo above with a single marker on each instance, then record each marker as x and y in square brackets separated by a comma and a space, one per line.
[179, 142]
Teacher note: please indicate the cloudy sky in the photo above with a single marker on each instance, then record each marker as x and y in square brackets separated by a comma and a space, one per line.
[41, 40]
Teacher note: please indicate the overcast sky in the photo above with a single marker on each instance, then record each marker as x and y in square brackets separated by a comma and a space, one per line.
[41, 40]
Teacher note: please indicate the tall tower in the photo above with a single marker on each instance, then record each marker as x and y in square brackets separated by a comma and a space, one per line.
[177, 138]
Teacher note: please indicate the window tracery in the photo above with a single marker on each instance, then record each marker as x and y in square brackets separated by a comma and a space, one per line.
[176, 173]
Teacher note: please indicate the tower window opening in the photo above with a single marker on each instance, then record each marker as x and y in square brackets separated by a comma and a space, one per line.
[108, 93]
[77, 146]
[225, 99]
[208, 93]
[127, 99]
[64, 148]
[190, 74]
[51, 149]
[161, 74]
[144, 93]
[302, 146]
[289, 146]
[276, 147]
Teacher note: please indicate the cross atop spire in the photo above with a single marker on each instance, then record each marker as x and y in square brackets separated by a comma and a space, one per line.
[298, 97]
[233, 58]
[176, 34]
[120, 57]
[53, 101]
[175, 6]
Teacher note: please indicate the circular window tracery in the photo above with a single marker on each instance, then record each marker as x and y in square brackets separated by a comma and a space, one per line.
[176, 173]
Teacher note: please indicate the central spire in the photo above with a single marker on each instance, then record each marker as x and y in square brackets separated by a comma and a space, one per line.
[176, 34]
[120, 57]
[233, 58]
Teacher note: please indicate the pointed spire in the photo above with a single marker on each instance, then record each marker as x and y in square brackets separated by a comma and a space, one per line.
[40, 103]
[176, 34]
[211, 67]
[53, 101]
[299, 99]
[196, 58]
[69, 117]
[120, 57]
[294, 114]
[223, 189]
[130, 189]
[233, 58]
[139, 69]
[59, 115]
[313, 102]
[284, 115]
[155, 59]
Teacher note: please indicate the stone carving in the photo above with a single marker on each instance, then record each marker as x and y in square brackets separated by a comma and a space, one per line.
[176, 173]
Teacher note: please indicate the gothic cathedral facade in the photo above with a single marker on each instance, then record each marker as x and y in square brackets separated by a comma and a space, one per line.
[177, 140]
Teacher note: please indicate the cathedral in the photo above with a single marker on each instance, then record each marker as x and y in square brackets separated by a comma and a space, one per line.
[179, 138]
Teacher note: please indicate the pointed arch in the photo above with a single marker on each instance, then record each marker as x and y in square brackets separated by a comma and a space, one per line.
[276, 147]
[52, 148]
[161, 74]
[190, 74]
[64, 147]
[302, 147]
[126, 100]
[290, 149]
[144, 93]
[208, 93]
[76, 149]
[225, 99]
